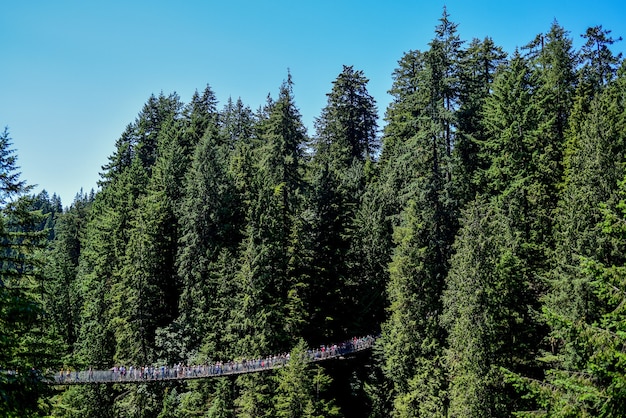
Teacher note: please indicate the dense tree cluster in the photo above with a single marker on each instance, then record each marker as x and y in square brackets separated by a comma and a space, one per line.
[482, 235]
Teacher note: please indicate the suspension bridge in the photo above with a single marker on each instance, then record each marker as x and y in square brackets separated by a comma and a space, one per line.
[147, 374]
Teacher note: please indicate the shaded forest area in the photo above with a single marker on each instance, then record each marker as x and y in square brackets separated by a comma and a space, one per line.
[481, 232]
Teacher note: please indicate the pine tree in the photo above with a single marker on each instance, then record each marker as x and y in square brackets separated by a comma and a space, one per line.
[481, 287]
[348, 124]
[579, 299]
[593, 384]
[512, 119]
[62, 295]
[599, 63]
[346, 137]
[149, 123]
[236, 123]
[255, 396]
[413, 338]
[210, 227]
[300, 388]
[591, 178]
[478, 67]
[267, 268]
[106, 334]
[408, 92]
[26, 351]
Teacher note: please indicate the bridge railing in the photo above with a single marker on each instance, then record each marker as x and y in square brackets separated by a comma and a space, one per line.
[202, 371]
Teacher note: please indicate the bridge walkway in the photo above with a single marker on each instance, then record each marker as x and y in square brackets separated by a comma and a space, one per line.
[163, 373]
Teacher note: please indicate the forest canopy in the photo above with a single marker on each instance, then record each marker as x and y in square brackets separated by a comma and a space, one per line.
[479, 233]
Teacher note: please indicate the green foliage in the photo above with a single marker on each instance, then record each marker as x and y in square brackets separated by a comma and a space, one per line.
[300, 389]
[347, 127]
[484, 238]
[478, 66]
[255, 396]
[480, 304]
[346, 139]
[27, 350]
[270, 253]
[62, 296]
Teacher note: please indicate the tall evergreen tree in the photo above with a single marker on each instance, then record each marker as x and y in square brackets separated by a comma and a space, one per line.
[512, 119]
[575, 307]
[269, 262]
[477, 302]
[210, 225]
[413, 338]
[26, 350]
[348, 124]
[300, 388]
[478, 67]
[346, 137]
[587, 372]
[62, 294]
[151, 120]
[599, 63]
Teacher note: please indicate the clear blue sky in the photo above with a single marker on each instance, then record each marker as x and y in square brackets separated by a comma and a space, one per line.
[75, 73]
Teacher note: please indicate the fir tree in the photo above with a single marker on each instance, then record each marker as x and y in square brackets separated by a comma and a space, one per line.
[26, 351]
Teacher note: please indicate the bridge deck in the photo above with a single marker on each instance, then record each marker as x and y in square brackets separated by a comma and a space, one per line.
[176, 373]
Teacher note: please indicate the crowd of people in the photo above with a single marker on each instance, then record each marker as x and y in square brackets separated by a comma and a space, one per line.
[185, 371]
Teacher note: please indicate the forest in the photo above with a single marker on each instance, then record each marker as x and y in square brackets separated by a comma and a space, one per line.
[480, 234]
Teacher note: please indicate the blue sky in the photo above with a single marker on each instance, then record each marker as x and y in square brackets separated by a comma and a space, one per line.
[75, 73]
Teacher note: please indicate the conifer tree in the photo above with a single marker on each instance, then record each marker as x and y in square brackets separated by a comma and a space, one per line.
[408, 92]
[236, 123]
[300, 388]
[62, 295]
[210, 225]
[346, 137]
[108, 332]
[586, 377]
[413, 338]
[516, 154]
[347, 125]
[26, 351]
[267, 269]
[200, 115]
[149, 123]
[265, 318]
[255, 396]
[478, 67]
[477, 299]
[599, 63]
[575, 307]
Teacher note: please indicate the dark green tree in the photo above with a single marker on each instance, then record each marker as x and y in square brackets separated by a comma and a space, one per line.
[347, 125]
[210, 224]
[151, 120]
[579, 299]
[591, 175]
[62, 300]
[515, 149]
[346, 137]
[26, 351]
[236, 123]
[413, 338]
[480, 288]
[301, 388]
[268, 269]
[592, 384]
[478, 66]
[599, 63]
